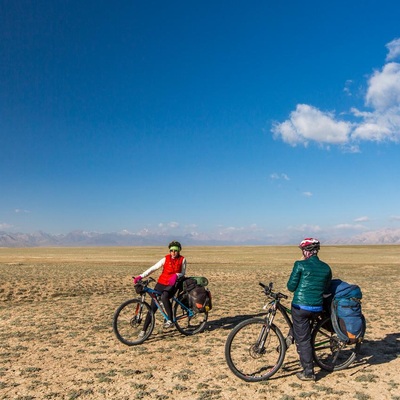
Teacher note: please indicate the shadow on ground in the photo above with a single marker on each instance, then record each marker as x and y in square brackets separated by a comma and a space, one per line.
[375, 352]
[230, 322]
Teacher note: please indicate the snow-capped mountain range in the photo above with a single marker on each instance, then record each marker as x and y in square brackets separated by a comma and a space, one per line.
[86, 239]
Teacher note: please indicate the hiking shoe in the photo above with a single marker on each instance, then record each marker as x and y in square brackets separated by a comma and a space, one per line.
[141, 334]
[168, 324]
[303, 377]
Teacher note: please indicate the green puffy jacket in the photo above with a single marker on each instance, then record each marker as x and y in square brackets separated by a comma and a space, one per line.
[309, 280]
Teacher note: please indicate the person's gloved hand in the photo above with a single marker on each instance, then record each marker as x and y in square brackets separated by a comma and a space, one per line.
[173, 279]
[137, 279]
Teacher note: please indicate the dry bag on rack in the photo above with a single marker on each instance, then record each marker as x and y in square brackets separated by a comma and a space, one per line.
[346, 313]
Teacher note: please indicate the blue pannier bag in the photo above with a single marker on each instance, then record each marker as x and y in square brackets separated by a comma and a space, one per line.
[346, 314]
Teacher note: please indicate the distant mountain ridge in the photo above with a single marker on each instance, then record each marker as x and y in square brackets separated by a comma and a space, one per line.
[73, 239]
[88, 239]
[93, 239]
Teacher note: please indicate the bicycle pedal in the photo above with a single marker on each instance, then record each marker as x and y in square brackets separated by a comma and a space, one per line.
[289, 341]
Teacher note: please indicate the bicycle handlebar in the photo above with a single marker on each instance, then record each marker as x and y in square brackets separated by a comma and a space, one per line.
[268, 291]
[144, 283]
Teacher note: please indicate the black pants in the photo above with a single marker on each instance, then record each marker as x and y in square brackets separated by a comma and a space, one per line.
[167, 292]
[302, 335]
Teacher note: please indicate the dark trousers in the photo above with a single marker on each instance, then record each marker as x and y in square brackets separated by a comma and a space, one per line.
[166, 293]
[302, 335]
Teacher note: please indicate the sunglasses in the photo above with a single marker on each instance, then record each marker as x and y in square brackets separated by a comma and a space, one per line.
[177, 251]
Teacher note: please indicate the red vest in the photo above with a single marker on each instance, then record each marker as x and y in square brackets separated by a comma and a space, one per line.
[172, 266]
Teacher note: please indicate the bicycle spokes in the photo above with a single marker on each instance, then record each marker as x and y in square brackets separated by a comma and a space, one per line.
[129, 322]
[187, 321]
[330, 353]
[254, 351]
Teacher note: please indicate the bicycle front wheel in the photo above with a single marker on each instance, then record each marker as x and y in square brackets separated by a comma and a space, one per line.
[128, 322]
[329, 352]
[254, 351]
[189, 325]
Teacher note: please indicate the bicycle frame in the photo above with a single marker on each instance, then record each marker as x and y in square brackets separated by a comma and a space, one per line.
[277, 306]
[274, 306]
[155, 295]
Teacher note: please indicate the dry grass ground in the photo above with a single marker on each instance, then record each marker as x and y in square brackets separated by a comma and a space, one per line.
[56, 338]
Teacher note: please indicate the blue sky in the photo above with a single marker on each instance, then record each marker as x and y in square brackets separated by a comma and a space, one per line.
[245, 121]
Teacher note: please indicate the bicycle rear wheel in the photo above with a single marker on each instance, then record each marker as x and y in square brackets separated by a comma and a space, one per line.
[329, 352]
[254, 353]
[189, 325]
[129, 320]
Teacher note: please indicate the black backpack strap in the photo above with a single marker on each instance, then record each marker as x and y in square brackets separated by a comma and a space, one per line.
[335, 323]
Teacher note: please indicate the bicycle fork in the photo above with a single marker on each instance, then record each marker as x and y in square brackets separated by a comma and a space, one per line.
[138, 313]
[137, 316]
[263, 336]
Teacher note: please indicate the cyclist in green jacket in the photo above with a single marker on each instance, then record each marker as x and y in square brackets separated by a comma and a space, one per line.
[309, 280]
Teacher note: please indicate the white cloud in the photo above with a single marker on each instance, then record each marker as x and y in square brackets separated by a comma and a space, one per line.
[20, 211]
[383, 95]
[238, 234]
[169, 225]
[351, 148]
[307, 124]
[276, 176]
[307, 194]
[349, 227]
[5, 226]
[394, 49]
[384, 88]
[347, 87]
[361, 219]
[306, 228]
[381, 122]
[371, 130]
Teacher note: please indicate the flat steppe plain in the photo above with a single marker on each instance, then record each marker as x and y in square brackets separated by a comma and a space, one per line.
[56, 338]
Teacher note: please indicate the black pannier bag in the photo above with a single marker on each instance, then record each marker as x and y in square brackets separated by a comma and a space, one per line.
[200, 299]
[198, 295]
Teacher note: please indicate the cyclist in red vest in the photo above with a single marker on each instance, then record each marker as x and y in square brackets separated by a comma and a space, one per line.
[173, 267]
